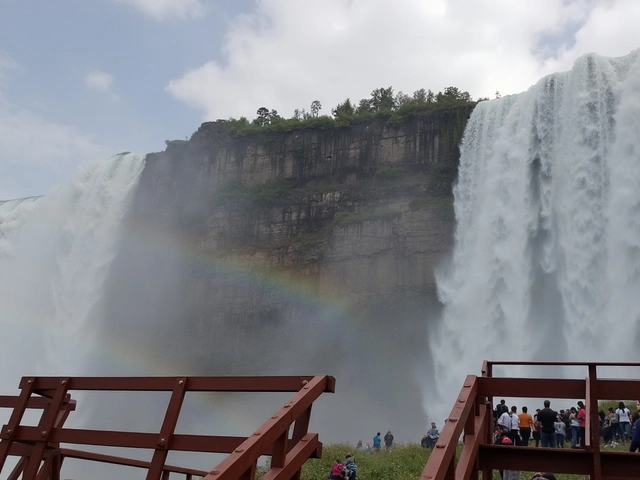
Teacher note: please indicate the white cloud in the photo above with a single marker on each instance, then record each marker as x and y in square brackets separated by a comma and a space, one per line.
[168, 9]
[31, 146]
[611, 30]
[101, 82]
[97, 80]
[7, 64]
[289, 52]
[28, 138]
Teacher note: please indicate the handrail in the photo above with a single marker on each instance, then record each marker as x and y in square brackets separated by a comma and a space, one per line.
[472, 414]
[42, 457]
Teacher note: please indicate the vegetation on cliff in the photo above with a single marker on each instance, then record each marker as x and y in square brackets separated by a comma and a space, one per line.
[382, 105]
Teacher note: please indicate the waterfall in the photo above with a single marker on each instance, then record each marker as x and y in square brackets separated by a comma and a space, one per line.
[55, 252]
[546, 264]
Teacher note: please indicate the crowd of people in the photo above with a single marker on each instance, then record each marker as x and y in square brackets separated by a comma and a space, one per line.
[546, 428]
[550, 428]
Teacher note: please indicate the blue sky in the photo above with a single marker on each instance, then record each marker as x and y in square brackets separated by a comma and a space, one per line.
[81, 80]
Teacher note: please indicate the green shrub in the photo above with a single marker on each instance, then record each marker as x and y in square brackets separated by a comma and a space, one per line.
[390, 173]
[344, 219]
[175, 143]
[261, 196]
[396, 120]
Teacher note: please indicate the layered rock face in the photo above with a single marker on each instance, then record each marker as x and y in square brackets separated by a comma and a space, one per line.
[297, 252]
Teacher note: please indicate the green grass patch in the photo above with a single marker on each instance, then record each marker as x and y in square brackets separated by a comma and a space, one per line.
[390, 173]
[261, 196]
[405, 462]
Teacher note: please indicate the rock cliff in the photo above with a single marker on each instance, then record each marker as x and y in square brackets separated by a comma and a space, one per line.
[297, 252]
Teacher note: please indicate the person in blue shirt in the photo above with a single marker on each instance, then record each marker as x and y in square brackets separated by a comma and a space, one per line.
[350, 464]
[377, 441]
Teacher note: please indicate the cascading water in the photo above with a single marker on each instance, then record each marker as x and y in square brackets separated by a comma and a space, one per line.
[54, 255]
[547, 254]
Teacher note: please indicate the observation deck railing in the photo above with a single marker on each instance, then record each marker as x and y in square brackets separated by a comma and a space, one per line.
[41, 452]
[472, 416]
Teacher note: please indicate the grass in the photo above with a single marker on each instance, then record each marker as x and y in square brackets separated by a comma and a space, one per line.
[405, 462]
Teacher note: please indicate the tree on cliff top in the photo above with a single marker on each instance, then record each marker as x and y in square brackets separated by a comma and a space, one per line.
[383, 99]
[344, 109]
[266, 117]
[382, 104]
[315, 108]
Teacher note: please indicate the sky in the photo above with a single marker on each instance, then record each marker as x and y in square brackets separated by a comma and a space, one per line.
[81, 80]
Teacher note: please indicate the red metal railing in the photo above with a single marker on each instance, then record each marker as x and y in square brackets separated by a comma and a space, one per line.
[41, 454]
[472, 415]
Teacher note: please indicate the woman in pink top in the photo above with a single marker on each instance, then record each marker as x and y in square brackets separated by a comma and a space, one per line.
[582, 420]
[336, 471]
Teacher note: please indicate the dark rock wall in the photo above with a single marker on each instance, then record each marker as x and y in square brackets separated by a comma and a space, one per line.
[311, 251]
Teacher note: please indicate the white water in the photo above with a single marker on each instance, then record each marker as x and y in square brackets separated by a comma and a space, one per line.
[54, 255]
[547, 257]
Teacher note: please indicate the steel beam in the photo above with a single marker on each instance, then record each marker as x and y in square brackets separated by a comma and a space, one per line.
[531, 387]
[556, 460]
[196, 384]
[168, 427]
[443, 453]
[125, 462]
[295, 458]
[42, 458]
[235, 465]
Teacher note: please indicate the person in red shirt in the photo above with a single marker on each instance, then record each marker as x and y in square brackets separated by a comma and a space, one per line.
[582, 420]
[336, 471]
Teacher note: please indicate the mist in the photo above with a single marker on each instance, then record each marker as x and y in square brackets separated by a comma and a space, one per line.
[99, 278]
[546, 260]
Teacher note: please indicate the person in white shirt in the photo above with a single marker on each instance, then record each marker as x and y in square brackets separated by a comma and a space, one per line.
[504, 422]
[624, 419]
[514, 429]
[561, 432]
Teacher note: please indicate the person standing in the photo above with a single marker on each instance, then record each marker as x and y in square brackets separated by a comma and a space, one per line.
[377, 441]
[526, 424]
[624, 422]
[388, 441]
[574, 425]
[560, 431]
[500, 409]
[582, 420]
[536, 428]
[432, 436]
[514, 433]
[504, 421]
[615, 424]
[547, 419]
[635, 440]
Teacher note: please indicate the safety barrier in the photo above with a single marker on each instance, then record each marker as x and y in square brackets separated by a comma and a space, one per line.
[472, 418]
[42, 449]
